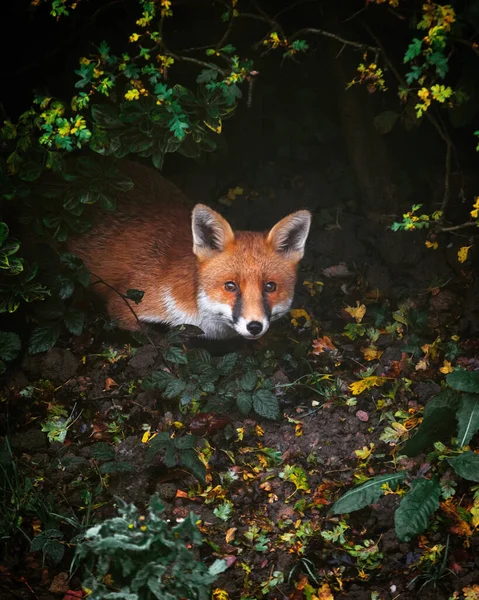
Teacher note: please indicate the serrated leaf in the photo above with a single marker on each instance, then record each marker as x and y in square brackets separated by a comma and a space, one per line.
[266, 404]
[102, 451]
[467, 418]
[44, 337]
[74, 321]
[10, 345]
[412, 515]
[466, 465]
[367, 493]
[249, 381]
[244, 402]
[174, 388]
[175, 355]
[227, 363]
[464, 381]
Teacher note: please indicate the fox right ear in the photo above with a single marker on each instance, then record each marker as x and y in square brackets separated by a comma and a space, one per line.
[211, 232]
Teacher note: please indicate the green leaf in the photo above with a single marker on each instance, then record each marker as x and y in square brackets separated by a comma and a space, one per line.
[413, 514]
[44, 337]
[30, 171]
[466, 465]
[190, 460]
[4, 231]
[266, 404]
[227, 363]
[10, 345]
[102, 451]
[74, 321]
[367, 493]
[116, 467]
[244, 402]
[464, 381]
[249, 381]
[438, 423]
[467, 418]
[414, 49]
[175, 355]
[174, 388]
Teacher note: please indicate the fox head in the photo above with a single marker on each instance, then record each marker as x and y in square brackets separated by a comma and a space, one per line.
[246, 279]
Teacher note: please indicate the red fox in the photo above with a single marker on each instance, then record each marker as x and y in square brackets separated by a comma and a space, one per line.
[192, 267]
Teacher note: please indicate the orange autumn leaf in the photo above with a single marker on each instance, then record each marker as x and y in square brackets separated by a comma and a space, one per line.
[230, 534]
[322, 344]
[110, 383]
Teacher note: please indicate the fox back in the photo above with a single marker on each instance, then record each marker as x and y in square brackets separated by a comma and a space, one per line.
[190, 264]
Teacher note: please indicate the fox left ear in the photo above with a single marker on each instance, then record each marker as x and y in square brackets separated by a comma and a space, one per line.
[290, 234]
[211, 233]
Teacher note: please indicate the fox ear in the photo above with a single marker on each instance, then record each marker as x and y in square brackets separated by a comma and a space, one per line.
[289, 236]
[211, 233]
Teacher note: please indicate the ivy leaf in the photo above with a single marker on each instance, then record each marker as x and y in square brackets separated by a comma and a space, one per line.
[266, 404]
[367, 493]
[466, 465]
[44, 337]
[467, 418]
[412, 515]
[10, 345]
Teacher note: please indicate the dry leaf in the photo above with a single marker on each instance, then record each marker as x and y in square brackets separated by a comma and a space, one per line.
[422, 365]
[357, 312]
[462, 253]
[322, 344]
[371, 353]
[446, 367]
[110, 383]
[358, 387]
[362, 415]
[230, 534]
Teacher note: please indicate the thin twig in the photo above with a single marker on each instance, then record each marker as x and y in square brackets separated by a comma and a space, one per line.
[333, 36]
[125, 299]
[461, 226]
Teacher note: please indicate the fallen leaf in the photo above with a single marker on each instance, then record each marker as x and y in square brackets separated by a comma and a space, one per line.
[230, 534]
[446, 367]
[322, 344]
[371, 353]
[358, 387]
[109, 383]
[422, 365]
[357, 312]
[59, 584]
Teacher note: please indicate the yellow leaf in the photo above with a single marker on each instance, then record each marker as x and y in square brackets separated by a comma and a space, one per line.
[220, 594]
[132, 95]
[297, 313]
[240, 432]
[259, 430]
[446, 368]
[371, 353]
[216, 129]
[462, 253]
[365, 452]
[357, 312]
[146, 436]
[433, 245]
[324, 592]
[358, 387]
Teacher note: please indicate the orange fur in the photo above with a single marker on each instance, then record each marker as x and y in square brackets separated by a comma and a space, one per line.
[148, 244]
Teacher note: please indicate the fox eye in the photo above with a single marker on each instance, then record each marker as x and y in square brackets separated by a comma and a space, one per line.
[230, 286]
[270, 286]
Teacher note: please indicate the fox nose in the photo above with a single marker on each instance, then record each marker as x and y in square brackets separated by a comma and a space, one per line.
[254, 327]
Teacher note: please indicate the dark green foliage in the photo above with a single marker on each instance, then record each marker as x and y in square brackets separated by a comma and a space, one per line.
[367, 493]
[220, 382]
[145, 557]
[106, 454]
[412, 516]
[178, 451]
